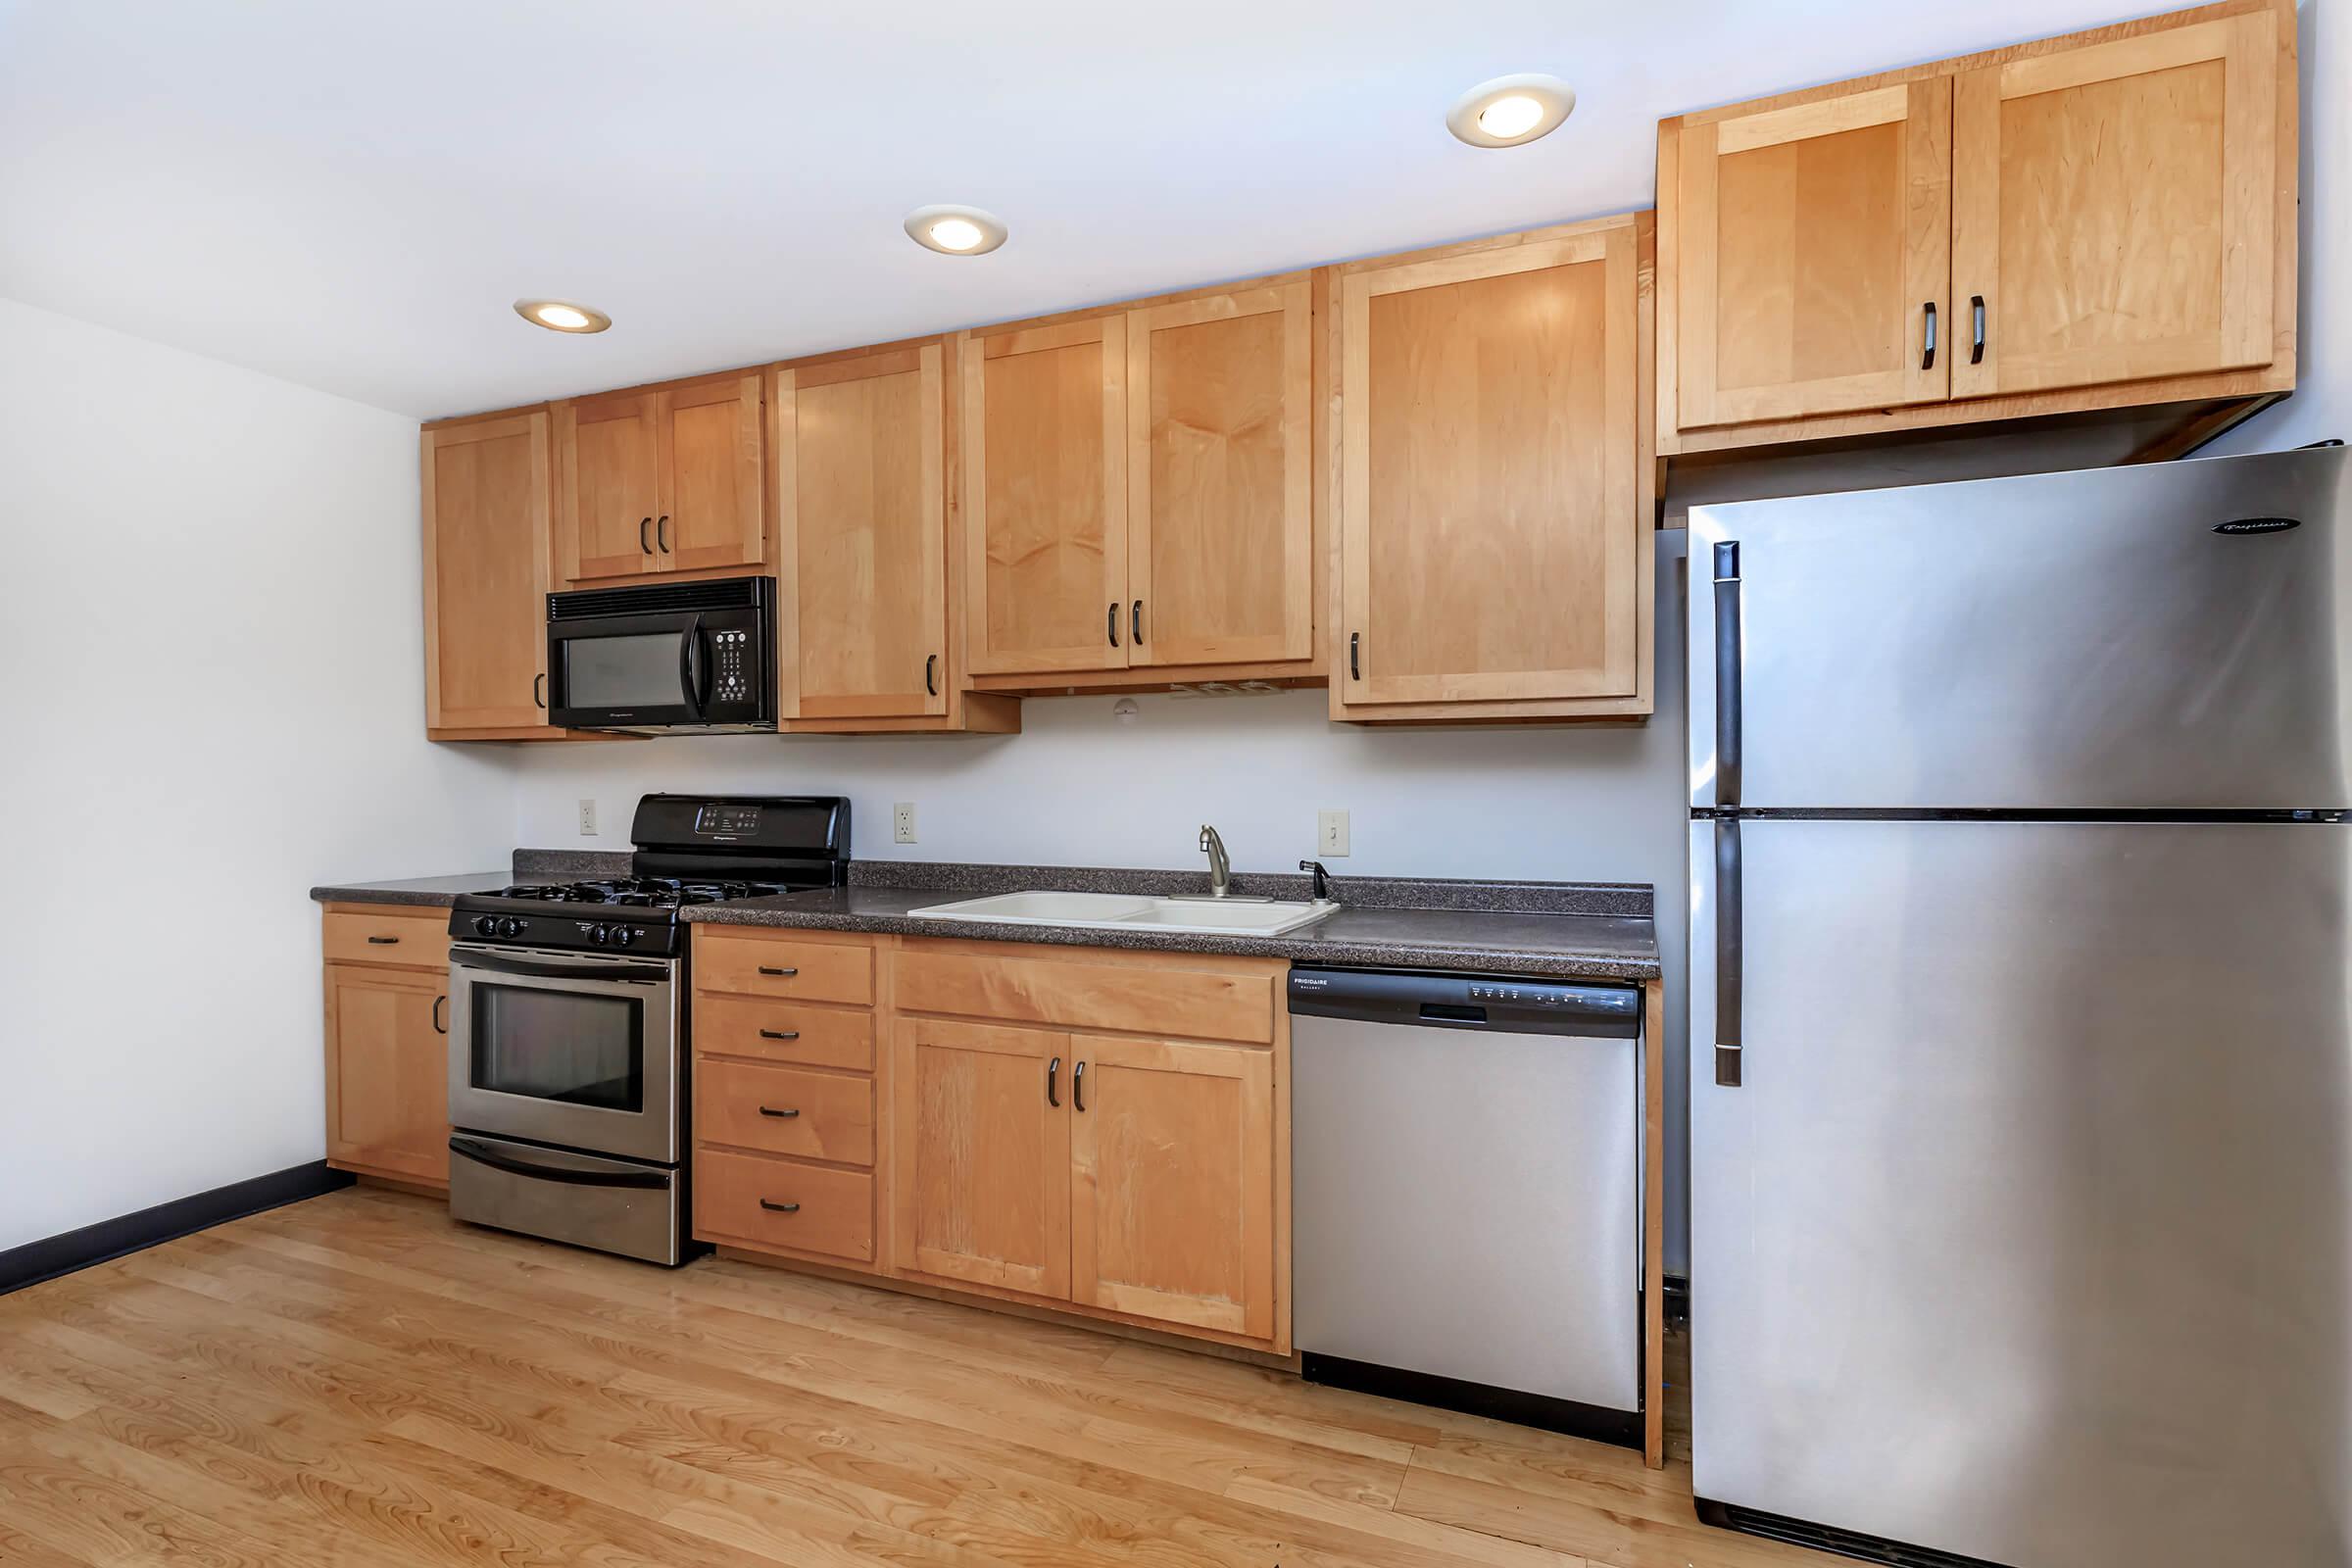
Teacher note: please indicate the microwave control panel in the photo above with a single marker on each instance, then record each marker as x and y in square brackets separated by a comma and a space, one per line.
[728, 650]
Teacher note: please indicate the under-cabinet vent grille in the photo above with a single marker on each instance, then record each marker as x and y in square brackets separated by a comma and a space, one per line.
[723, 593]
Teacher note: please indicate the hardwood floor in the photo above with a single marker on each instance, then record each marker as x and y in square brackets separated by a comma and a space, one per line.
[357, 1380]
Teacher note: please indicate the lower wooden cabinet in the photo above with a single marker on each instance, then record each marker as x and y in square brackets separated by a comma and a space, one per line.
[388, 1046]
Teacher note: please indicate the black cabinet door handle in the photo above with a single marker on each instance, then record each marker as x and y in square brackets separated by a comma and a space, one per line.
[1053, 1067]
[779, 1034]
[1976, 349]
[645, 546]
[440, 1018]
[781, 974]
[539, 690]
[1135, 624]
[780, 1209]
[1927, 357]
[1078, 1086]
[662, 532]
[1112, 624]
[785, 1113]
[931, 675]
[1355, 650]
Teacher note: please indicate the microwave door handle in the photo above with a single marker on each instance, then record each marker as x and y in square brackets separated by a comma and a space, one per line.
[690, 664]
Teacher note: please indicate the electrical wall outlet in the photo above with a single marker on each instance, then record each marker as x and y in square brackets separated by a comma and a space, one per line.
[587, 819]
[1330, 833]
[901, 822]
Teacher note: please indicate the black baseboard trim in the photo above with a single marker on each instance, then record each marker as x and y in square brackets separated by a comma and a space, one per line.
[1828, 1538]
[52, 1255]
[1598, 1422]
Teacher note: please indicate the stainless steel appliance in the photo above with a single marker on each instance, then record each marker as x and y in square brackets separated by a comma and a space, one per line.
[1465, 1173]
[567, 1033]
[685, 656]
[2021, 1054]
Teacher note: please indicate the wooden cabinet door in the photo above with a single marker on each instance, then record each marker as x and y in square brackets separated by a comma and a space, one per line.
[1172, 1193]
[387, 1070]
[1490, 521]
[1220, 531]
[609, 454]
[710, 513]
[860, 463]
[1814, 248]
[486, 573]
[1045, 452]
[981, 1154]
[2112, 208]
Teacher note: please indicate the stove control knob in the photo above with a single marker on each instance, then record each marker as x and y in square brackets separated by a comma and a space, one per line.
[625, 935]
[484, 926]
[600, 935]
[510, 927]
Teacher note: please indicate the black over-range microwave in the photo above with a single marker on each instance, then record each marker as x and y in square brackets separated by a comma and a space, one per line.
[683, 655]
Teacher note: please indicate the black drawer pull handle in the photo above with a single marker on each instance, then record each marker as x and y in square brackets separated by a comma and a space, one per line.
[781, 974]
[1976, 350]
[1078, 1086]
[1927, 355]
[384, 942]
[779, 1034]
[1356, 656]
[931, 675]
[1113, 623]
[781, 1116]
[780, 1209]
[662, 532]
[1053, 1067]
[1135, 624]
[645, 546]
[539, 689]
[440, 1019]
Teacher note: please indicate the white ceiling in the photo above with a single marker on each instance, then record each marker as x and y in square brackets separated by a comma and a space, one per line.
[351, 196]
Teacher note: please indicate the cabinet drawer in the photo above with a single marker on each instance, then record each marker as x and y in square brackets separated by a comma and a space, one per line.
[784, 1032]
[1089, 993]
[773, 967]
[413, 939]
[835, 1215]
[785, 1110]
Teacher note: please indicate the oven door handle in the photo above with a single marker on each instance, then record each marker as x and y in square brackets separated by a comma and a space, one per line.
[500, 963]
[483, 1156]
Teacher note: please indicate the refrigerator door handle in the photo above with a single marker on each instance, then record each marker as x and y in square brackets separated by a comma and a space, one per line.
[1727, 672]
[1728, 1042]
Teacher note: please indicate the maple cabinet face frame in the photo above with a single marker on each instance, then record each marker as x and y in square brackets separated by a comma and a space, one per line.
[487, 575]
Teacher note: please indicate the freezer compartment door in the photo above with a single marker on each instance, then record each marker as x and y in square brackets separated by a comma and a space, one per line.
[2023, 1234]
[2162, 637]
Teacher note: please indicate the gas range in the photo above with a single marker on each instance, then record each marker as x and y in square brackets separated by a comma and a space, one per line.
[690, 850]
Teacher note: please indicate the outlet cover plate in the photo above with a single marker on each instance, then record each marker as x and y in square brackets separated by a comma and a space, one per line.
[901, 822]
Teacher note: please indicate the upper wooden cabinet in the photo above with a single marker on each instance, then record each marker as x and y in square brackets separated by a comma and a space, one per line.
[1494, 524]
[2098, 221]
[661, 479]
[860, 454]
[1139, 491]
[486, 576]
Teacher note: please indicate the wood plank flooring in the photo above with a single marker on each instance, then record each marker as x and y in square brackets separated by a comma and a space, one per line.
[358, 1380]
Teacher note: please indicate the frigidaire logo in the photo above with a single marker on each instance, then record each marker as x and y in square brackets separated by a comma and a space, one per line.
[2258, 526]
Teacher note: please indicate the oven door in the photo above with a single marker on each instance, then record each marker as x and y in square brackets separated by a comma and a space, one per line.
[570, 1048]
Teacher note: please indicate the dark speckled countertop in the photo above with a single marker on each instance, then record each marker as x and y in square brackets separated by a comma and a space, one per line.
[1557, 930]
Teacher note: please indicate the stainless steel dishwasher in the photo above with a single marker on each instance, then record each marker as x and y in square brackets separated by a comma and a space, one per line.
[1467, 1193]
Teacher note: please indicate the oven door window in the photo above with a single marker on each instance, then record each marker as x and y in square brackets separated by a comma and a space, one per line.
[636, 671]
[569, 1047]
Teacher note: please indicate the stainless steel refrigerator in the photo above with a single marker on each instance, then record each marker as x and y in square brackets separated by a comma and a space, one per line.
[2021, 1108]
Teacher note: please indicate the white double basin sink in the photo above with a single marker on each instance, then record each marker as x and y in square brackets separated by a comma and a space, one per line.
[1122, 911]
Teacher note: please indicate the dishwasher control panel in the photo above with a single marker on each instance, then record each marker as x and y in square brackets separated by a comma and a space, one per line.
[1507, 1003]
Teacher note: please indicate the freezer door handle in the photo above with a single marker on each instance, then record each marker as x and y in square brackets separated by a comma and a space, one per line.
[1728, 1043]
[1727, 672]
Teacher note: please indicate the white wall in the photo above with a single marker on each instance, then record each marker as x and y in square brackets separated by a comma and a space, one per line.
[212, 660]
[1079, 788]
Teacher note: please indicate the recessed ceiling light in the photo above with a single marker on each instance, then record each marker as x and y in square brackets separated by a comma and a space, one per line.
[562, 316]
[953, 230]
[1510, 110]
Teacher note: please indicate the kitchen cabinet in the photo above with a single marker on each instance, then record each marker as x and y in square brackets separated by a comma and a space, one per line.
[1139, 493]
[1495, 505]
[866, 623]
[661, 479]
[2094, 223]
[485, 490]
[387, 1044]
[1127, 1175]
